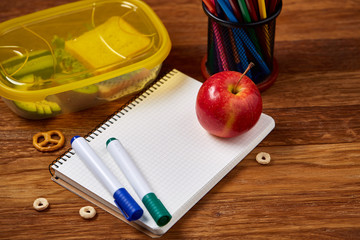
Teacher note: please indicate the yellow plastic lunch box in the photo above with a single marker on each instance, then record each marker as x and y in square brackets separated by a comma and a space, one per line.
[79, 55]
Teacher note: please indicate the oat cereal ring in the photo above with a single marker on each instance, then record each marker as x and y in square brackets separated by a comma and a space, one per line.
[48, 143]
[40, 204]
[263, 158]
[87, 212]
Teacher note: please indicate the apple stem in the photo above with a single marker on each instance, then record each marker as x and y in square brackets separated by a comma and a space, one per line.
[247, 69]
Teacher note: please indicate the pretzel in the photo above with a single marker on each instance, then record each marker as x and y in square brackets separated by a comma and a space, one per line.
[49, 144]
[87, 212]
[263, 158]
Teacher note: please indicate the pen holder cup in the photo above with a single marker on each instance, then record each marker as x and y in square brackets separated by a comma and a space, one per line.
[232, 46]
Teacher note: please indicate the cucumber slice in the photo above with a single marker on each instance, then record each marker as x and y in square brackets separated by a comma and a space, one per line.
[27, 106]
[20, 59]
[40, 109]
[53, 105]
[37, 64]
[47, 109]
[43, 107]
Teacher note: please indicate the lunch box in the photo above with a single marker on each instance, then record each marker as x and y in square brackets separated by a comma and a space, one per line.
[79, 55]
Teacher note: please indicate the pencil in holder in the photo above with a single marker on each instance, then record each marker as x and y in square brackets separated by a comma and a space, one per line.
[233, 45]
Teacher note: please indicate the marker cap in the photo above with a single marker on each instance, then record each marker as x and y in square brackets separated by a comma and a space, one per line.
[109, 140]
[156, 209]
[75, 137]
[127, 205]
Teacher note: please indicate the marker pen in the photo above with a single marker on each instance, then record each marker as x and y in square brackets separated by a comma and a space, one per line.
[155, 207]
[127, 205]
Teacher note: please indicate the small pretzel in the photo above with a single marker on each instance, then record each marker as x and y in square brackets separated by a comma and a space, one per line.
[87, 212]
[263, 158]
[49, 144]
[40, 204]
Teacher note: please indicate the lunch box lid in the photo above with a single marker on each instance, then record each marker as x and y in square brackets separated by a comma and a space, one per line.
[78, 44]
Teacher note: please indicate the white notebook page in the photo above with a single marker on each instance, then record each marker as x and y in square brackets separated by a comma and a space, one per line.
[180, 160]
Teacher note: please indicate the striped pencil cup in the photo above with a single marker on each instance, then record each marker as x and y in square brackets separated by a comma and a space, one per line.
[233, 45]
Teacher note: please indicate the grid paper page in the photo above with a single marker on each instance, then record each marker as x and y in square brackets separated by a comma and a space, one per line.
[180, 160]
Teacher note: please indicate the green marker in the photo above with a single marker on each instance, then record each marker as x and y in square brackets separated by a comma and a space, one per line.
[155, 207]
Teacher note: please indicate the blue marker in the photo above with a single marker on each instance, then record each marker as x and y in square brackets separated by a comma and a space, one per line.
[127, 205]
[155, 207]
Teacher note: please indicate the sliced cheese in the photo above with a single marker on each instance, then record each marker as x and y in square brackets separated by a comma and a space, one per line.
[112, 42]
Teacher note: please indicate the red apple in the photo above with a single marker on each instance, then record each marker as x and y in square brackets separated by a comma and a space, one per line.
[227, 107]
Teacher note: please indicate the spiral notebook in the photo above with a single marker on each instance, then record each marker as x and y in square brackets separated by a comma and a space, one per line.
[179, 159]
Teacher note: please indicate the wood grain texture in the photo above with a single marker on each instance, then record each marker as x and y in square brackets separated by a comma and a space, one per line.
[311, 188]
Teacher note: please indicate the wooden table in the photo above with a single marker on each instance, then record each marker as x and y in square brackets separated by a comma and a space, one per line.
[310, 190]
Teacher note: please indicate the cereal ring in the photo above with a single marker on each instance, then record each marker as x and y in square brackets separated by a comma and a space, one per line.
[49, 143]
[263, 158]
[87, 212]
[40, 204]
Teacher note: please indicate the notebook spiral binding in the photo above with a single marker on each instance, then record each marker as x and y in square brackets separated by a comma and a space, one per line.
[137, 99]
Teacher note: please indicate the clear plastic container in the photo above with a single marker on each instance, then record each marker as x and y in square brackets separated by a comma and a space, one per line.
[79, 55]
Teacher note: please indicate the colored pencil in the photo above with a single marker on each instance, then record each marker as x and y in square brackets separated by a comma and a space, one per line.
[219, 43]
[209, 6]
[252, 11]
[246, 15]
[259, 31]
[244, 11]
[219, 11]
[262, 9]
[236, 10]
[256, 7]
[243, 37]
[272, 7]
[238, 42]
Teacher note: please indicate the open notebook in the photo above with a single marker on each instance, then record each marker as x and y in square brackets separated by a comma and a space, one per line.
[160, 131]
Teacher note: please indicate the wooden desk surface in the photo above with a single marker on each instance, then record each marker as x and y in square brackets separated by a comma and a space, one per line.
[311, 189]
